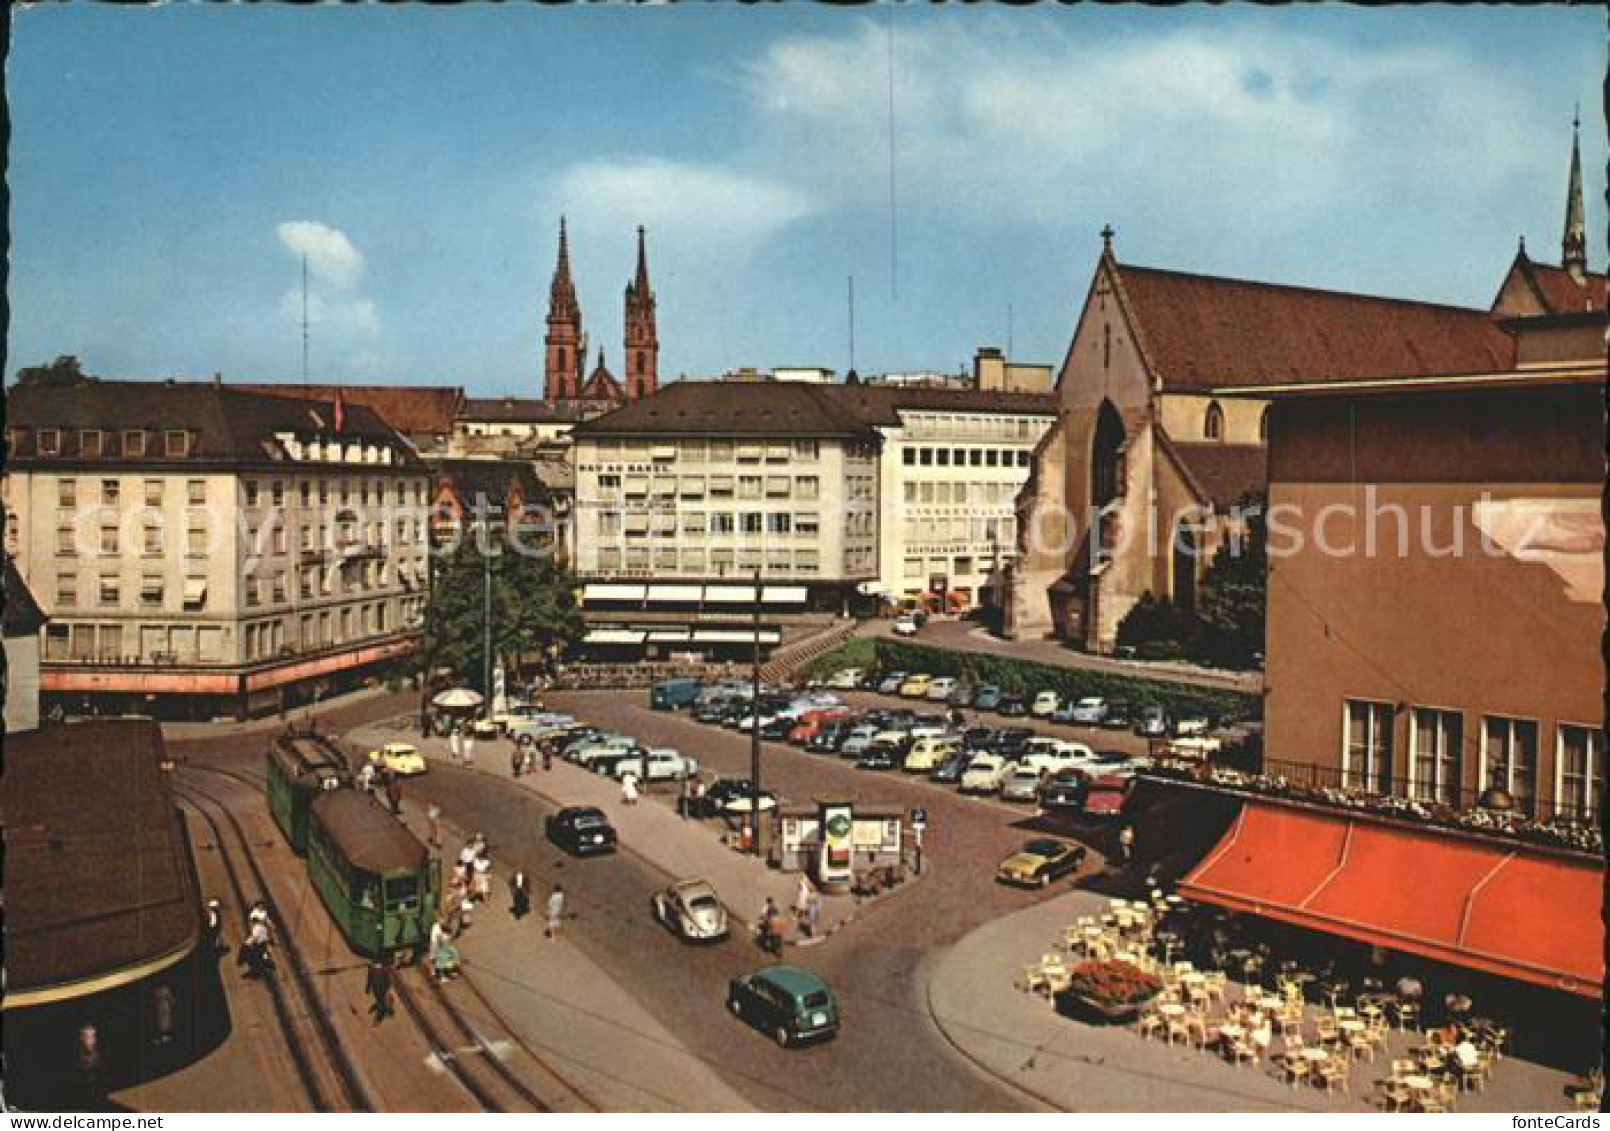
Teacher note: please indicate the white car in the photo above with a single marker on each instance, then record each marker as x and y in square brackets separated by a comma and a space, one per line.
[1191, 725]
[985, 773]
[905, 626]
[664, 764]
[1052, 754]
[594, 750]
[940, 688]
[1044, 703]
[1090, 710]
[846, 679]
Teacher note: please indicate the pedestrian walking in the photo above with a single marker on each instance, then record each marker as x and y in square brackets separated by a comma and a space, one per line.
[482, 870]
[366, 778]
[254, 957]
[556, 911]
[394, 793]
[768, 930]
[684, 801]
[629, 789]
[516, 760]
[433, 814]
[162, 1009]
[547, 755]
[443, 954]
[378, 986]
[88, 1050]
[519, 894]
[469, 747]
[215, 926]
[813, 914]
[1126, 843]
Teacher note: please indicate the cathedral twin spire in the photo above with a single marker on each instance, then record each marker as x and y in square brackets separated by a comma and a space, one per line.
[565, 359]
[1574, 245]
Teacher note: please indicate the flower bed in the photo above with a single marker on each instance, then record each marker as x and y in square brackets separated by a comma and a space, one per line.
[1111, 987]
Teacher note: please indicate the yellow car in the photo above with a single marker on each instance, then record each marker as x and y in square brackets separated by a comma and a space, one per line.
[1040, 862]
[399, 758]
[915, 687]
[926, 753]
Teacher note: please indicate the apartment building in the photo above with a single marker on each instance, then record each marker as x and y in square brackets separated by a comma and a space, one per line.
[204, 550]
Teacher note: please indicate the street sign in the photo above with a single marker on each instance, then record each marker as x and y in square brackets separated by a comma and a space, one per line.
[919, 818]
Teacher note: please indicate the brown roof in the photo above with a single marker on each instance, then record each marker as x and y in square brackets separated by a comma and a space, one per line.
[1199, 332]
[518, 410]
[410, 409]
[490, 478]
[1560, 293]
[1221, 473]
[368, 836]
[97, 875]
[880, 404]
[227, 422]
[733, 408]
[602, 385]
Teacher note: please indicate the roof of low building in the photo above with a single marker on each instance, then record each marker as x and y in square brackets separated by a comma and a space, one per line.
[881, 404]
[1198, 332]
[98, 880]
[1222, 473]
[489, 477]
[410, 409]
[523, 410]
[1558, 291]
[23, 616]
[228, 422]
[721, 408]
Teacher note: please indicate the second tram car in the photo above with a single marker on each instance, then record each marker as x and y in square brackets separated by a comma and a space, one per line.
[377, 880]
[302, 767]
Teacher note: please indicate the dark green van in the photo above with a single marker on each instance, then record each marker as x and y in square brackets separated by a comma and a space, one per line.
[668, 695]
[793, 1005]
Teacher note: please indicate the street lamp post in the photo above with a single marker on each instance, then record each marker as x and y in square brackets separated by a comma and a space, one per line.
[754, 729]
[486, 646]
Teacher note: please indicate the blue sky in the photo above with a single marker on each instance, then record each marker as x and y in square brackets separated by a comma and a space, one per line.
[170, 165]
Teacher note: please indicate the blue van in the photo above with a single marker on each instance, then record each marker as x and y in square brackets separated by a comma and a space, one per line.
[670, 694]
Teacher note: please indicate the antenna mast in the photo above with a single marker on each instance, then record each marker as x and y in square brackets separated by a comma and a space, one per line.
[304, 320]
[852, 322]
[1008, 332]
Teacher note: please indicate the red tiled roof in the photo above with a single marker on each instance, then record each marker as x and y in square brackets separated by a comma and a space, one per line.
[1199, 332]
[1221, 473]
[410, 409]
[1561, 294]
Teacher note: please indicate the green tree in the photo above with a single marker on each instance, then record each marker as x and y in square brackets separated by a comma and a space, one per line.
[1158, 630]
[1233, 595]
[65, 370]
[533, 609]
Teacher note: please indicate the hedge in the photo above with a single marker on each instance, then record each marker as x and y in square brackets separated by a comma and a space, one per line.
[1028, 677]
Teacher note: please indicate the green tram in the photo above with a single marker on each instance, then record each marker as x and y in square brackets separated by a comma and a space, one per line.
[377, 880]
[302, 767]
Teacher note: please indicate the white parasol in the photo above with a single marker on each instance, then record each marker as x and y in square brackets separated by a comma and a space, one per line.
[457, 698]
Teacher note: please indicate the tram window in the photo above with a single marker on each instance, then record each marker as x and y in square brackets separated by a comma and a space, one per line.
[402, 887]
[368, 893]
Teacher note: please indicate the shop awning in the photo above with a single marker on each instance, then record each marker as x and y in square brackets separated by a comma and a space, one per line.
[612, 593]
[782, 595]
[734, 636]
[668, 635]
[729, 594]
[685, 594]
[1507, 909]
[614, 636]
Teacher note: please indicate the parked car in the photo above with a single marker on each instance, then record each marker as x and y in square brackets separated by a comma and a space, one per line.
[1064, 791]
[1117, 762]
[846, 679]
[987, 698]
[985, 773]
[1053, 754]
[881, 755]
[855, 744]
[728, 795]
[963, 695]
[1191, 725]
[792, 1005]
[1039, 862]
[940, 688]
[1106, 796]
[951, 767]
[1090, 710]
[400, 758]
[829, 736]
[890, 684]
[1009, 741]
[905, 626]
[1119, 715]
[1064, 712]
[659, 763]
[580, 830]
[1044, 703]
[669, 694]
[926, 753]
[1022, 784]
[693, 910]
[1152, 723]
[916, 686]
[709, 710]
[1013, 705]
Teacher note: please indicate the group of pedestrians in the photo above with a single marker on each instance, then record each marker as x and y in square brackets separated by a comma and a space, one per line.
[374, 779]
[523, 757]
[771, 926]
[255, 959]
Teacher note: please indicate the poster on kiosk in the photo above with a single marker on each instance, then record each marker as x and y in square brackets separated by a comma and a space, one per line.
[834, 864]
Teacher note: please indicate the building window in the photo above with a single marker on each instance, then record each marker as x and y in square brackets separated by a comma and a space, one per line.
[1509, 759]
[1580, 760]
[1436, 755]
[109, 492]
[751, 522]
[67, 590]
[1213, 424]
[109, 541]
[1367, 746]
[150, 592]
[49, 441]
[134, 442]
[779, 524]
[67, 493]
[111, 591]
[806, 523]
[992, 457]
[278, 492]
[153, 492]
[721, 522]
[196, 539]
[90, 443]
[66, 540]
[252, 492]
[749, 486]
[196, 492]
[151, 540]
[176, 444]
[693, 522]
[908, 456]
[777, 486]
[806, 486]
[721, 487]
[609, 523]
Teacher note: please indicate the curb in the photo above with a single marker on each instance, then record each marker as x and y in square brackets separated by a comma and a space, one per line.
[861, 905]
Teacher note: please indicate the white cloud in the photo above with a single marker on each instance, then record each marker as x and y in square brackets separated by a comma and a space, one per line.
[341, 315]
[332, 258]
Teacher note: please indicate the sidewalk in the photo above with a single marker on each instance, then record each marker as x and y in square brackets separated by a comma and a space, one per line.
[650, 830]
[965, 636]
[1019, 1038]
[273, 723]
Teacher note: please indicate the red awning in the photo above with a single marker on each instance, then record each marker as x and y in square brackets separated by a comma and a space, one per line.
[1511, 910]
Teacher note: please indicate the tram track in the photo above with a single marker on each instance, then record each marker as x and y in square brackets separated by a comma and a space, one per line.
[348, 1080]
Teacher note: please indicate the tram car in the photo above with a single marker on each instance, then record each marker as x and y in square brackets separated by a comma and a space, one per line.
[376, 879]
[302, 767]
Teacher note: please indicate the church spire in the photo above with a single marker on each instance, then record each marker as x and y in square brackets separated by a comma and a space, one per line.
[642, 344]
[1574, 245]
[566, 351]
[642, 264]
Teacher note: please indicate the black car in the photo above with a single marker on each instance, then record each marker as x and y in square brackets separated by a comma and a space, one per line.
[949, 770]
[1064, 792]
[724, 791]
[963, 695]
[987, 698]
[581, 830]
[1009, 740]
[777, 728]
[1119, 715]
[978, 738]
[829, 737]
[710, 711]
[881, 756]
[1013, 705]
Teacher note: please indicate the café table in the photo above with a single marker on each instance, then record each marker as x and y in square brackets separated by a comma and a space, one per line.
[1419, 1086]
[1171, 1009]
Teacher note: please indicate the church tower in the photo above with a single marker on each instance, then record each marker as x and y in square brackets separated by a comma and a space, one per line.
[566, 353]
[642, 339]
[1574, 245]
